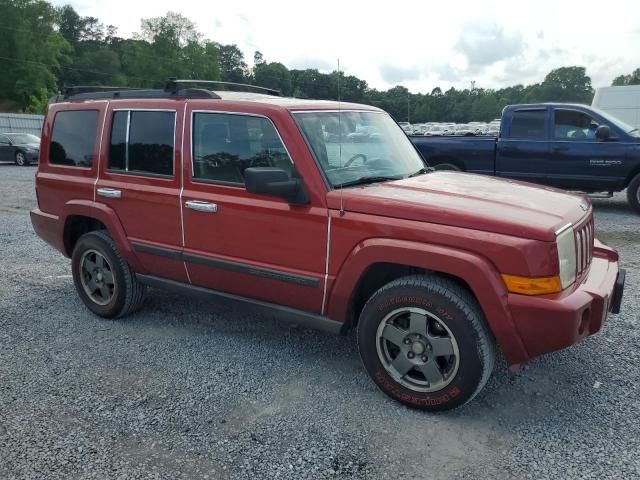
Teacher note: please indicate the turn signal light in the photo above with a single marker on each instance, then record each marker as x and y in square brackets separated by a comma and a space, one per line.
[532, 285]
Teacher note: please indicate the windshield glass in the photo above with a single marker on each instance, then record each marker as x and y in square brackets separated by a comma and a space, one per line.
[20, 138]
[357, 145]
[619, 123]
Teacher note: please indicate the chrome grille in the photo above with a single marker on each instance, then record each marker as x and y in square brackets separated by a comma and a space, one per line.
[584, 245]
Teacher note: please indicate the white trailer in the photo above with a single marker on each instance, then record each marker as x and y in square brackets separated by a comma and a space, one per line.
[621, 102]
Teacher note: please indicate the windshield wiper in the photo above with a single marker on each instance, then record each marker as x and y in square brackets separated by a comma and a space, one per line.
[368, 180]
[422, 171]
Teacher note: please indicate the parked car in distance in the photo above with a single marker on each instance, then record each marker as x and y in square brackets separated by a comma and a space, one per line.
[436, 130]
[435, 270]
[20, 148]
[621, 102]
[568, 146]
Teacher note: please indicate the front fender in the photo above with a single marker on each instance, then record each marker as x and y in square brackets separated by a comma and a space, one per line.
[109, 218]
[477, 272]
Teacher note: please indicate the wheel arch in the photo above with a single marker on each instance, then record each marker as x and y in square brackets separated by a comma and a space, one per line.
[442, 160]
[82, 216]
[376, 262]
[635, 172]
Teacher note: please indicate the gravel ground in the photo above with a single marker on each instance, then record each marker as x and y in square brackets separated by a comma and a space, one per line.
[203, 389]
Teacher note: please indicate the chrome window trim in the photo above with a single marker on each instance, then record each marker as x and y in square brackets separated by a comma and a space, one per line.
[136, 173]
[326, 264]
[184, 123]
[191, 132]
[335, 110]
[104, 124]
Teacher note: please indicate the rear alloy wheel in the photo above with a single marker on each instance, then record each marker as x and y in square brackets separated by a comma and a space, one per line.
[423, 340]
[633, 193]
[21, 159]
[104, 280]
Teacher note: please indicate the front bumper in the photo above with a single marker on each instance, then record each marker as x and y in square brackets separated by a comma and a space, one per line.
[552, 322]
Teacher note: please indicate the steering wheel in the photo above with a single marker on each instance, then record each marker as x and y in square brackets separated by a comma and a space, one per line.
[352, 159]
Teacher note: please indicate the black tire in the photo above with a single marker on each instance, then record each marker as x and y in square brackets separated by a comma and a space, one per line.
[633, 193]
[457, 315]
[447, 166]
[127, 294]
[21, 159]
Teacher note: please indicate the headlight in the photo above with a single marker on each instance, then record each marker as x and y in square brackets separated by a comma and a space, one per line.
[566, 244]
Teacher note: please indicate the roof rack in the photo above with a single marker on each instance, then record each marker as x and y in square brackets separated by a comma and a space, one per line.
[173, 84]
[173, 89]
[81, 92]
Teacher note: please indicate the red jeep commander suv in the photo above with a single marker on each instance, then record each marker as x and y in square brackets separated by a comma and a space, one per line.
[323, 213]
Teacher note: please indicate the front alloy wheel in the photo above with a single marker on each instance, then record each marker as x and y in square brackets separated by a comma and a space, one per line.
[417, 349]
[424, 342]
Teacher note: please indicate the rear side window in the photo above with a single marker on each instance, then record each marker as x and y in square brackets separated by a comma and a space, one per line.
[224, 145]
[528, 124]
[73, 138]
[142, 142]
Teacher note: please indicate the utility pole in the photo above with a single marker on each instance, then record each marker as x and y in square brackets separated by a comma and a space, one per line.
[408, 107]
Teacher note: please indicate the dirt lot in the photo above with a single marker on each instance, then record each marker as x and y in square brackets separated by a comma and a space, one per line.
[198, 389]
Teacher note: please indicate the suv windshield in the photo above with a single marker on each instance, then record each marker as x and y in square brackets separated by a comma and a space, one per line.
[356, 147]
[23, 138]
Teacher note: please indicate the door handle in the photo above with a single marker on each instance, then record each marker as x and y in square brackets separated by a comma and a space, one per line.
[109, 193]
[201, 206]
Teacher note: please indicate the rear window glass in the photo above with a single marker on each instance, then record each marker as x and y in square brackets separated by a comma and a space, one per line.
[142, 142]
[74, 137]
[528, 124]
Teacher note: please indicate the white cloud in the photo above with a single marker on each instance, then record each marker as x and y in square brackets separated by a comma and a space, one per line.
[419, 44]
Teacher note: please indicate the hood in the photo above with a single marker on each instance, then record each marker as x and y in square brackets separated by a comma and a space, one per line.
[470, 201]
[29, 145]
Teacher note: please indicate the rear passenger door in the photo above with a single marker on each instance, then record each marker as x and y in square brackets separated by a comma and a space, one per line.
[522, 151]
[254, 246]
[140, 178]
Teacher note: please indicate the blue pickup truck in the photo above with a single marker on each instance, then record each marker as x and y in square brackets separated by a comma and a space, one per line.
[574, 147]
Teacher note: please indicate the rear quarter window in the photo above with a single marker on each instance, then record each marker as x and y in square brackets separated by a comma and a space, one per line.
[73, 138]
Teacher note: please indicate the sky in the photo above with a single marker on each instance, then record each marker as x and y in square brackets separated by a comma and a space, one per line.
[419, 45]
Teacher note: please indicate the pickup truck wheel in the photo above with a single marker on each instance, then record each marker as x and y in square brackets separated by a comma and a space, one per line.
[423, 340]
[633, 193]
[103, 278]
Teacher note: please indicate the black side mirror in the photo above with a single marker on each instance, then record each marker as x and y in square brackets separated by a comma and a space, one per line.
[603, 132]
[276, 183]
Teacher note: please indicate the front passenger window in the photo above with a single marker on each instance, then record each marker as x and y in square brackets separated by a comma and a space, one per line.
[225, 145]
[574, 125]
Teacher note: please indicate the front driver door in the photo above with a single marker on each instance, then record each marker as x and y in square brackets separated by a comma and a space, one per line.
[580, 160]
[245, 244]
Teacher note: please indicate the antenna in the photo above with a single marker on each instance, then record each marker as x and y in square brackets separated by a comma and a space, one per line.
[340, 139]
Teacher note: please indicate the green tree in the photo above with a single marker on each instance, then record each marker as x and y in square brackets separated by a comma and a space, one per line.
[566, 84]
[273, 75]
[32, 51]
[233, 68]
[632, 79]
